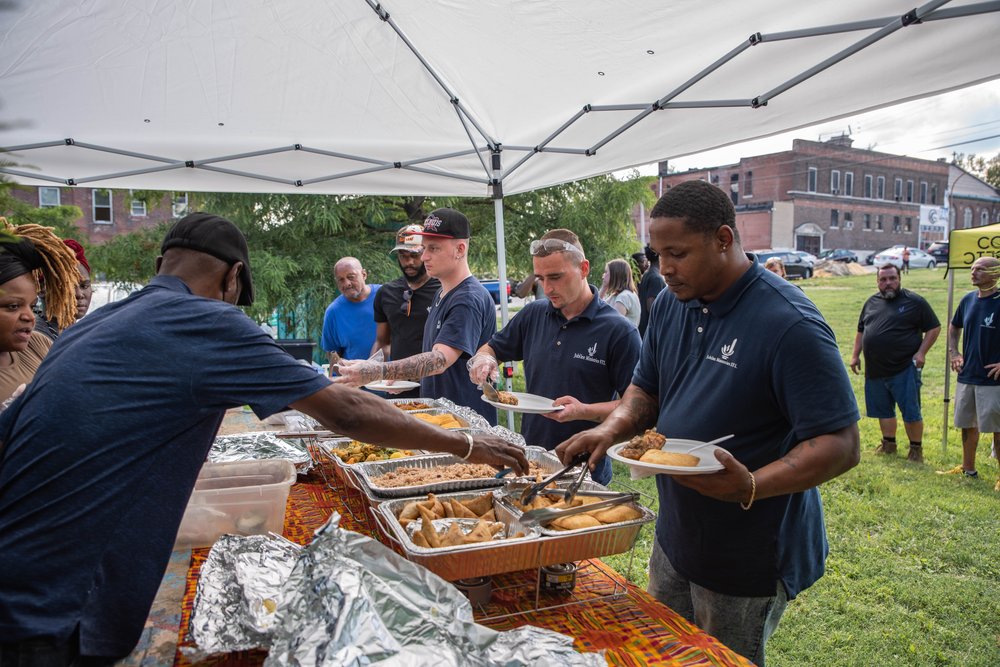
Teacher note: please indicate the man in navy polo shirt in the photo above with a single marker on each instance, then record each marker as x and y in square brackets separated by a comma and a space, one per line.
[99, 455]
[732, 348]
[575, 347]
[462, 317]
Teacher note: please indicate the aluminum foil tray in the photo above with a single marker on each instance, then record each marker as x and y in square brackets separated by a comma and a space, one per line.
[368, 471]
[563, 546]
[467, 560]
[465, 424]
[347, 472]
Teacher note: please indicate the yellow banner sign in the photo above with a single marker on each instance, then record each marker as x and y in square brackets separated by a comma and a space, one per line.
[967, 245]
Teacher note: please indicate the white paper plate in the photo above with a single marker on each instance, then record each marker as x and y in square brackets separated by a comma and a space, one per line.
[394, 385]
[527, 403]
[706, 457]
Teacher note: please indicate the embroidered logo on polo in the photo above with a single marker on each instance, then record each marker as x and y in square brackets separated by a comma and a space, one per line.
[591, 351]
[988, 321]
[726, 351]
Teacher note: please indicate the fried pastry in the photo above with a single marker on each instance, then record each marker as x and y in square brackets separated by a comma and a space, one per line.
[662, 458]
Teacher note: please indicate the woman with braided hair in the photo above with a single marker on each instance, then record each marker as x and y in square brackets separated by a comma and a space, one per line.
[28, 252]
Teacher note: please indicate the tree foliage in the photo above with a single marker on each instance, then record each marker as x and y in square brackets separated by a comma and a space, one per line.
[295, 239]
[988, 169]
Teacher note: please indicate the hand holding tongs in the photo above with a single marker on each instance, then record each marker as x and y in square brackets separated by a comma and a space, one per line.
[579, 460]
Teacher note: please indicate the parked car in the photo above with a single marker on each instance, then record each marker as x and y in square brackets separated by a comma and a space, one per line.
[939, 251]
[870, 259]
[838, 255]
[795, 266]
[806, 257]
[894, 255]
[493, 287]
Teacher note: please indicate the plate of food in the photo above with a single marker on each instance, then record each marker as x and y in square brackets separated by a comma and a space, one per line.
[519, 401]
[654, 454]
[392, 385]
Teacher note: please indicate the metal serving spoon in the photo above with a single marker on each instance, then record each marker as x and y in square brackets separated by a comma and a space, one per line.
[490, 392]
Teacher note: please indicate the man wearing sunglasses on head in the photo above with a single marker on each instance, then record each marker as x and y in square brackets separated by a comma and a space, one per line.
[401, 305]
[576, 348]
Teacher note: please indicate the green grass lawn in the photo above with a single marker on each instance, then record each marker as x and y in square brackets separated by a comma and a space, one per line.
[913, 576]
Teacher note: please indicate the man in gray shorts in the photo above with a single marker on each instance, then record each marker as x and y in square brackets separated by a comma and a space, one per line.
[977, 393]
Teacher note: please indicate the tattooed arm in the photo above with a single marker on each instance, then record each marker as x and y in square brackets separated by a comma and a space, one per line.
[635, 413]
[361, 372]
[808, 464]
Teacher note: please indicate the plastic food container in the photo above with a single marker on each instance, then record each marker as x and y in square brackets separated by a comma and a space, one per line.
[240, 498]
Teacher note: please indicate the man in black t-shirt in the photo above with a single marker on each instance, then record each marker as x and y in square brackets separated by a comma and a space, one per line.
[895, 330]
[401, 306]
[650, 286]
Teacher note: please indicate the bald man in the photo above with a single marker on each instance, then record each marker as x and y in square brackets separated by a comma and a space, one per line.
[349, 323]
[977, 392]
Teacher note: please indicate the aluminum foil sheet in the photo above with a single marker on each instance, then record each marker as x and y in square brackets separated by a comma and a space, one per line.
[235, 607]
[259, 445]
[352, 601]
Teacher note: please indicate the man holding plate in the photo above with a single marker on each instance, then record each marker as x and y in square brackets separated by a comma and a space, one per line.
[731, 347]
[570, 342]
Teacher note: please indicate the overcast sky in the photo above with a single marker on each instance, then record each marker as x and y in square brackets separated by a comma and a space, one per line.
[962, 121]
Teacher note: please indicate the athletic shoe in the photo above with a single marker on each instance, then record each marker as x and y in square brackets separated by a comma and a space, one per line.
[959, 470]
[996, 487]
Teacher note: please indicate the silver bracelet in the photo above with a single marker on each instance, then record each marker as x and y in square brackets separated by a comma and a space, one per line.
[468, 436]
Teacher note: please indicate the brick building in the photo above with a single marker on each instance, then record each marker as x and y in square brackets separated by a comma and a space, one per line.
[106, 213]
[822, 195]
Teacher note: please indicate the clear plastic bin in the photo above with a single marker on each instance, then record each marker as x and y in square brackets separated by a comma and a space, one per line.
[240, 498]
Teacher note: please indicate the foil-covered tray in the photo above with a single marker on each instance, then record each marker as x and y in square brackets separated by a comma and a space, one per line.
[563, 546]
[367, 472]
[467, 560]
[259, 445]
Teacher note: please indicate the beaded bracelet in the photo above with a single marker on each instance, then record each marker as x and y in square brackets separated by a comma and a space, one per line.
[753, 492]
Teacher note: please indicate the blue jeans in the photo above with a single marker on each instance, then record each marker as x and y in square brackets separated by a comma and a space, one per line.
[741, 623]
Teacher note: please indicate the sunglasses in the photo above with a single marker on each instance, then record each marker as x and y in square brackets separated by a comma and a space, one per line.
[545, 247]
[404, 307]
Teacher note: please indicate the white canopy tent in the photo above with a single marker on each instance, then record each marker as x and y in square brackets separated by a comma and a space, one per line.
[438, 97]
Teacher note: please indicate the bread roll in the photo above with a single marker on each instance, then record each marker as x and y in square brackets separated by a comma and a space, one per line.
[617, 514]
[662, 458]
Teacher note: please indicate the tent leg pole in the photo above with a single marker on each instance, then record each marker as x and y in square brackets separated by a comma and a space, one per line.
[947, 362]
[501, 258]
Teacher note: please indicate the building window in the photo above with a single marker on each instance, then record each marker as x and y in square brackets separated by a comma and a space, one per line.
[868, 221]
[734, 188]
[967, 218]
[909, 191]
[897, 189]
[138, 208]
[878, 223]
[880, 188]
[834, 218]
[811, 184]
[102, 206]
[849, 183]
[908, 225]
[48, 197]
[895, 223]
[848, 220]
[923, 192]
[835, 182]
[984, 217]
[934, 194]
[868, 186]
[748, 184]
[180, 204]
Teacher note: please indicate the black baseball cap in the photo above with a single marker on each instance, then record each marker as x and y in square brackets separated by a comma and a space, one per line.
[217, 237]
[446, 223]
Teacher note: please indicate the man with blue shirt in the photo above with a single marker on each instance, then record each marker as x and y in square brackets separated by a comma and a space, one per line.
[99, 455]
[731, 348]
[462, 317]
[349, 322]
[575, 347]
[977, 390]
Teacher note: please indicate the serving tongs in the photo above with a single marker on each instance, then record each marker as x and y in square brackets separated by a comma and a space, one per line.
[579, 460]
[546, 515]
